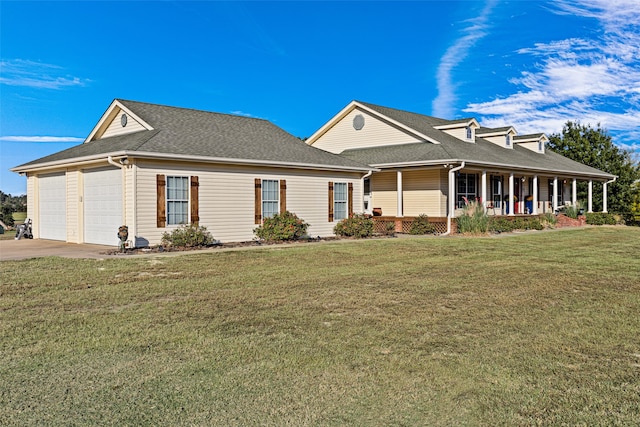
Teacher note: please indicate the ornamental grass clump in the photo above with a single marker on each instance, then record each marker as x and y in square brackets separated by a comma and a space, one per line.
[187, 236]
[359, 226]
[474, 220]
[282, 227]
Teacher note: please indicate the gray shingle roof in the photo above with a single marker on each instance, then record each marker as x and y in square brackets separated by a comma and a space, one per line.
[451, 149]
[193, 133]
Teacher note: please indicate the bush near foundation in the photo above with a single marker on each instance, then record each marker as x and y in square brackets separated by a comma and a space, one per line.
[421, 225]
[359, 226]
[601, 218]
[282, 227]
[187, 236]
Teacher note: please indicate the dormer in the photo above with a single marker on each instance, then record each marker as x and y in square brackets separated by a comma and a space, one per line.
[534, 142]
[504, 137]
[464, 129]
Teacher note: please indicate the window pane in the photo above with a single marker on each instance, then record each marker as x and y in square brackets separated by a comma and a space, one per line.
[340, 195]
[177, 200]
[270, 197]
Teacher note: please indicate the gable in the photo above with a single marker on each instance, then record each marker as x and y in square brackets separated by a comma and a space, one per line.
[117, 120]
[360, 129]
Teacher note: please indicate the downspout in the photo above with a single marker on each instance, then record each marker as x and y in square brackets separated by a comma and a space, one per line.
[452, 191]
[367, 175]
[604, 198]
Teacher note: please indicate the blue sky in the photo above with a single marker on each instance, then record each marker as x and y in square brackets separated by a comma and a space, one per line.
[530, 64]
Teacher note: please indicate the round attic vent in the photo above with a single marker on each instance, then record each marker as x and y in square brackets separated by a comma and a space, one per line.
[358, 122]
[123, 120]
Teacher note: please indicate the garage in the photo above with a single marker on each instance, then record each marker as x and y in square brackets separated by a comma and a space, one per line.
[52, 196]
[102, 206]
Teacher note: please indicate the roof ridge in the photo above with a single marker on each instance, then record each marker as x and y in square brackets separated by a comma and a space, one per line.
[124, 101]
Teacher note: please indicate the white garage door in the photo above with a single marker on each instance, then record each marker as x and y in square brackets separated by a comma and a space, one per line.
[52, 208]
[102, 206]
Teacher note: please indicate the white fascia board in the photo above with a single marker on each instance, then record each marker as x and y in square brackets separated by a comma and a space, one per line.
[501, 166]
[70, 162]
[182, 157]
[511, 130]
[109, 114]
[458, 125]
[251, 162]
[533, 138]
[355, 104]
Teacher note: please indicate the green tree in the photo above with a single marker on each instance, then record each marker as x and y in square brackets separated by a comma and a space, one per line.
[595, 148]
[635, 202]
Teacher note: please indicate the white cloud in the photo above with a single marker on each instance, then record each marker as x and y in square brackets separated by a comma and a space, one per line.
[588, 80]
[20, 72]
[442, 105]
[72, 139]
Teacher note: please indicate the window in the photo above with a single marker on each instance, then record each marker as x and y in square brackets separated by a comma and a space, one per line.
[270, 199]
[496, 191]
[508, 140]
[467, 188]
[177, 200]
[340, 201]
[540, 146]
[469, 133]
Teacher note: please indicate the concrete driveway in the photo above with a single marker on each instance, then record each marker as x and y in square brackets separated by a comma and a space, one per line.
[11, 250]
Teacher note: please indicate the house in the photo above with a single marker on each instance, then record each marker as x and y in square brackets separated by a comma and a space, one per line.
[154, 167]
[421, 161]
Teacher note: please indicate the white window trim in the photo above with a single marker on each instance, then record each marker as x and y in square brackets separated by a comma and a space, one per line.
[342, 202]
[168, 200]
[265, 200]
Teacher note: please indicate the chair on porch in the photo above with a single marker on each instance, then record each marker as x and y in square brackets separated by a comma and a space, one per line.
[491, 206]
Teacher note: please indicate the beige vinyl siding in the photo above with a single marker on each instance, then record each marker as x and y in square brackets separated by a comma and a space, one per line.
[460, 133]
[533, 146]
[421, 192]
[375, 133]
[384, 192]
[115, 127]
[73, 206]
[226, 198]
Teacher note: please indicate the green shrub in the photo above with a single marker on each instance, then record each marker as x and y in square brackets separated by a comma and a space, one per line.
[359, 226]
[421, 225]
[600, 218]
[282, 227]
[473, 219]
[500, 225]
[187, 236]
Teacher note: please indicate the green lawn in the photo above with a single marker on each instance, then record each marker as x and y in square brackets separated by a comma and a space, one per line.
[532, 329]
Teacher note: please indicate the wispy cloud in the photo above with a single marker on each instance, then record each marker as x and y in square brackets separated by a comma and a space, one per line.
[590, 80]
[70, 139]
[21, 72]
[243, 114]
[443, 104]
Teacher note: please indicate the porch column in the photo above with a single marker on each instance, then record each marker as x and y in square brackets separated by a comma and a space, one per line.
[604, 197]
[511, 196]
[399, 193]
[555, 194]
[483, 191]
[590, 196]
[534, 210]
[574, 192]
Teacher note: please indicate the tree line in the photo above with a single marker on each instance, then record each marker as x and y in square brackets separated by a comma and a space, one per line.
[10, 204]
